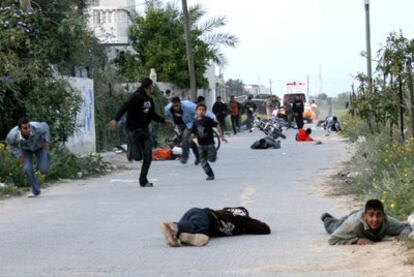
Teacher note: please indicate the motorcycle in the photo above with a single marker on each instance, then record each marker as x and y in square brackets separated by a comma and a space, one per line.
[271, 127]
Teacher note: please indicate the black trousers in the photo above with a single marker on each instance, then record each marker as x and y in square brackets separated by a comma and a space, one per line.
[222, 121]
[235, 123]
[299, 120]
[140, 148]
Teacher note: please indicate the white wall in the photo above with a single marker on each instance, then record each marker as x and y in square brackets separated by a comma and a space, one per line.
[83, 141]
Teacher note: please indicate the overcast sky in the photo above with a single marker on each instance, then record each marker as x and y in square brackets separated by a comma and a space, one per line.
[286, 40]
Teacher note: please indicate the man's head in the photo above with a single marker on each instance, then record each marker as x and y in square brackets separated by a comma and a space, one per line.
[176, 103]
[201, 100]
[374, 214]
[201, 110]
[24, 127]
[167, 92]
[250, 97]
[334, 118]
[232, 98]
[308, 131]
[218, 99]
[147, 86]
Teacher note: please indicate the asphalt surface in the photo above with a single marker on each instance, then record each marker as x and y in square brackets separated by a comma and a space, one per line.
[109, 226]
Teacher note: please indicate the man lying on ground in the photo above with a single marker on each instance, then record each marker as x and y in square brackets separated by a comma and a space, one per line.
[365, 226]
[265, 143]
[198, 225]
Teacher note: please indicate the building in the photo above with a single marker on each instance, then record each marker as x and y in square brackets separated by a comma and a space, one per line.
[110, 19]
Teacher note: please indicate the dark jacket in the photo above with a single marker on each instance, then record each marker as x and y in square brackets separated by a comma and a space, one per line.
[220, 109]
[234, 221]
[250, 106]
[298, 106]
[140, 111]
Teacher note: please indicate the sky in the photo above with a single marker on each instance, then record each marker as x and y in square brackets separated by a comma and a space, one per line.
[287, 40]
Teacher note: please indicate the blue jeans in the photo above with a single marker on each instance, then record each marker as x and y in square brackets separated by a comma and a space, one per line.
[194, 221]
[43, 158]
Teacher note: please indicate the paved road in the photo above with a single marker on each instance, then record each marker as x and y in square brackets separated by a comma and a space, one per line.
[110, 227]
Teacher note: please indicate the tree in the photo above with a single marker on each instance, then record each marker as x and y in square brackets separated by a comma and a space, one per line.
[236, 87]
[39, 41]
[158, 40]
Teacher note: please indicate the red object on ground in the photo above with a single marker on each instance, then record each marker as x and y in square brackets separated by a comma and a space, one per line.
[303, 136]
[162, 154]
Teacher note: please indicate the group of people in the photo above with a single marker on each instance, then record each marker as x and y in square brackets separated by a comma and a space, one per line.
[235, 110]
[197, 226]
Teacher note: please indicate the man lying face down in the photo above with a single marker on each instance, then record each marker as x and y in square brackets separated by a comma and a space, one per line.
[365, 226]
[197, 226]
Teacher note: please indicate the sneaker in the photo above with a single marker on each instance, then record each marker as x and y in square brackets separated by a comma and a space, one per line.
[147, 185]
[325, 216]
[210, 178]
[194, 239]
[32, 195]
[169, 230]
[197, 162]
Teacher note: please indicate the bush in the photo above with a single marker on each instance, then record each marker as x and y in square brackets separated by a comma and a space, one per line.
[64, 164]
[11, 172]
[385, 170]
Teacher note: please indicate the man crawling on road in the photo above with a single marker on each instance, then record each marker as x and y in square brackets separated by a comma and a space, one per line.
[198, 225]
[365, 226]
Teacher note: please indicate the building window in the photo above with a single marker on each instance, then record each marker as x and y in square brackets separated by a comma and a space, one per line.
[94, 3]
[96, 16]
[103, 17]
[109, 13]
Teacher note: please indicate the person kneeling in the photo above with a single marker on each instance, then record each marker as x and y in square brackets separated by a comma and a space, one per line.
[198, 225]
[365, 226]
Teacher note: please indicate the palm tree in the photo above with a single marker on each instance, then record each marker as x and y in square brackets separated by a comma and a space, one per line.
[208, 30]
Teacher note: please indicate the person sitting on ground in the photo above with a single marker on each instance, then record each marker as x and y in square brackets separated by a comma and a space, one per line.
[304, 135]
[332, 124]
[365, 226]
[266, 143]
[197, 226]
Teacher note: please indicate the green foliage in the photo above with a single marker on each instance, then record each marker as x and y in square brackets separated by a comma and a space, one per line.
[64, 164]
[11, 172]
[35, 47]
[236, 87]
[389, 98]
[384, 167]
[67, 165]
[158, 39]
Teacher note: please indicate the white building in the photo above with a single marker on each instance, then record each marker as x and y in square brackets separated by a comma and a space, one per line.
[110, 19]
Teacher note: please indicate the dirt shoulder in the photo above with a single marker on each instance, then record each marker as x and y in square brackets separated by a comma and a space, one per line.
[386, 258]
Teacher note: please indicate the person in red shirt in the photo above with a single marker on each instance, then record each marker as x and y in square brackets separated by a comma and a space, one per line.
[235, 108]
[304, 135]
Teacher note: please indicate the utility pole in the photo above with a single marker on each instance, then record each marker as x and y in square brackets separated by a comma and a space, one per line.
[411, 88]
[189, 47]
[368, 41]
[270, 86]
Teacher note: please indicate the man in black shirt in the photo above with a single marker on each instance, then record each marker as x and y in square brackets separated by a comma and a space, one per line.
[250, 108]
[140, 112]
[198, 225]
[220, 110]
[203, 131]
[298, 107]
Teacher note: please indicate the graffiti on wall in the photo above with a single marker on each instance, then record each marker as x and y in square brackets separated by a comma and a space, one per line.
[85, 117]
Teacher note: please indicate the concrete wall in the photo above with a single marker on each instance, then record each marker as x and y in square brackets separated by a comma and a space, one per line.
[83, 140]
